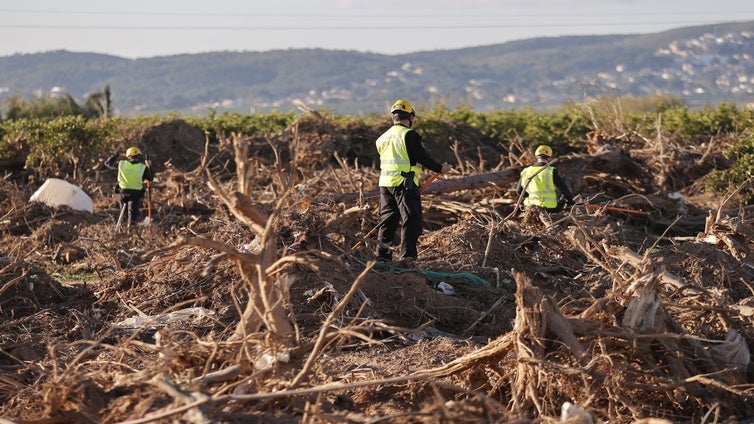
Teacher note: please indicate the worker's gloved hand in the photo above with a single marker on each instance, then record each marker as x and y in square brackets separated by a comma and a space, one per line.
[446, 167]
[408, 180]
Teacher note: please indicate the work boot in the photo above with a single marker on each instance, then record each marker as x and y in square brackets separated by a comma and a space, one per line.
[384, 252]
[406, 263]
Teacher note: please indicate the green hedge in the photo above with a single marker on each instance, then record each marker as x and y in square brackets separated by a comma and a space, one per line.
[66, 144]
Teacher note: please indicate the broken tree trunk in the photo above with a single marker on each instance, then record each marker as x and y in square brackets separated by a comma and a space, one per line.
[530, 333]
[505, 178]
[615, 161]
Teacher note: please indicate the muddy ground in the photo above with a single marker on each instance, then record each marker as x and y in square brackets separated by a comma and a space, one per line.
[634, 304]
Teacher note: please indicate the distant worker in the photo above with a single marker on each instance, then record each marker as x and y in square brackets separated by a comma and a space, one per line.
[402, 157]
[132, 172]
[542, 183]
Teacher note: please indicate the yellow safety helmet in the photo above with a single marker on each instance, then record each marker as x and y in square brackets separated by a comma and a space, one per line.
[402, 105]
[133, 152]
[543, 150]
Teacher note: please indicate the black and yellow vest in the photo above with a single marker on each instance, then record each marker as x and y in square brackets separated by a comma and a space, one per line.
[130, 175]
[394, 157]
[541, 189]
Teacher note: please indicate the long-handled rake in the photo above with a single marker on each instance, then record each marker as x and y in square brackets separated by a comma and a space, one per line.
[149, 204]
[120, 217]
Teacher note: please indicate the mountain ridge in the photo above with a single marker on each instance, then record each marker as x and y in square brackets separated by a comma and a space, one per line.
[701, 65]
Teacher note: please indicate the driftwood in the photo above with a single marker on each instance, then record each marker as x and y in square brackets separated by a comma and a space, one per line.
[584, 315]
[505, 177]
[614, 161]
[703, 367]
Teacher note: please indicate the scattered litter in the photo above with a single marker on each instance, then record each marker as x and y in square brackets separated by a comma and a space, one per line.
[267, 360]
[251, 247]
[415, 337]
[446, 288]
[429, 333]
[678, 197]
[733, 350]
[572, 414]
[457, 277]
[56, 192]
[152, 322]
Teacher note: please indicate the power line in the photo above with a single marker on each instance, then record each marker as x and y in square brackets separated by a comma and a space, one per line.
[370, 16]
[341, 28]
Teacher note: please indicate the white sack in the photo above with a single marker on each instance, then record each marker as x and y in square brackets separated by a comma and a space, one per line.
[56, 192]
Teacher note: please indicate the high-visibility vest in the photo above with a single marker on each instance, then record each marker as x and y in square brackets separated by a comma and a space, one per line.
[391, 146]
[541, 189]
[130, 175]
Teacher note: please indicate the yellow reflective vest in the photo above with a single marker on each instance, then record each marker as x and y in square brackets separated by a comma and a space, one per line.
[391, 146]
[130, 175]
[542, 191]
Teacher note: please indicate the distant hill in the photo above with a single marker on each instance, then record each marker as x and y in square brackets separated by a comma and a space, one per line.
[701, 65]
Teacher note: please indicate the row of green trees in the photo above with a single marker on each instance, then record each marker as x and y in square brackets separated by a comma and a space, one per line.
[97, 105]
[52, 131]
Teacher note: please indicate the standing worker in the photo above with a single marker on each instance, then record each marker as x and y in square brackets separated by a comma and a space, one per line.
[132, 172]
[402, 157]
[543, 184]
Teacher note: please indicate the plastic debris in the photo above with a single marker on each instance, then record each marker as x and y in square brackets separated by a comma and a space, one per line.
[152, 322]
[446, 288]
[267, 360]
[56, 192]
[572, 414]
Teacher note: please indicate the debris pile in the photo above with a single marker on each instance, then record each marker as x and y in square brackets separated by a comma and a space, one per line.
[246, 301]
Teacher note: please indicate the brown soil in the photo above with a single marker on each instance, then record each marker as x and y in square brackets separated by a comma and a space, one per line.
[623, 311]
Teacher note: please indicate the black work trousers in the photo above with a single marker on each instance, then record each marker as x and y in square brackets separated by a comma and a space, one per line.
[132, 200]
[399, 207]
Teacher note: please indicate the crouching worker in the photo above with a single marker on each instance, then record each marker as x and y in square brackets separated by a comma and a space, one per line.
[542, 184]
[132, 172]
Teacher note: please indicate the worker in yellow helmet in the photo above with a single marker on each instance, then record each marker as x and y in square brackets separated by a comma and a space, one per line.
[542, 183]
[132, 172]
[402, 158]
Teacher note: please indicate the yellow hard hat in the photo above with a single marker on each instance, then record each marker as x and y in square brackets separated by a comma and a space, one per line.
[543, 150]
[133, 152]
[402, 105]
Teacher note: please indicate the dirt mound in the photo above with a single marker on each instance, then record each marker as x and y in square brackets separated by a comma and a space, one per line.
[252, 298]
[175, 142]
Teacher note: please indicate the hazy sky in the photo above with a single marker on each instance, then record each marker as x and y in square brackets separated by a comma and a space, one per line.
[145, 28]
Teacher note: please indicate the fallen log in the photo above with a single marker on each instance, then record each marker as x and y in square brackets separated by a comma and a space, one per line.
[613, 161]
[502, 178]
